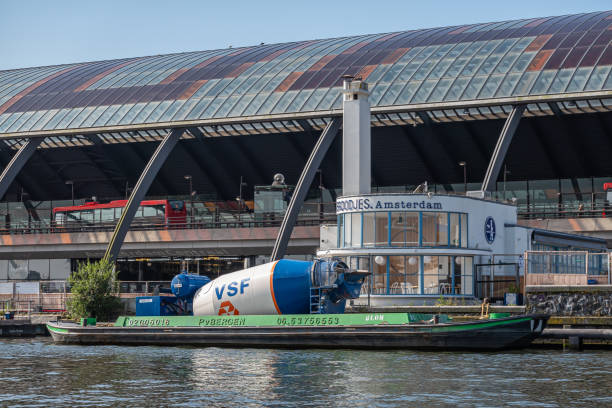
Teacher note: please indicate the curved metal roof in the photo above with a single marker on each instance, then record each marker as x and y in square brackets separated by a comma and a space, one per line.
[544, 56]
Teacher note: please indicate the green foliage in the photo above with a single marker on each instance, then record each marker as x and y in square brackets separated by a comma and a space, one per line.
[94, 288]
[513, 289]
[442, 301]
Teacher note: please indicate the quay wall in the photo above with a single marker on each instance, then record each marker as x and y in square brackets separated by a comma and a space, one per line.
[580, 300]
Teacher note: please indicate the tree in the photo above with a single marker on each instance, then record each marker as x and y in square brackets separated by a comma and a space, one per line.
[93, 291]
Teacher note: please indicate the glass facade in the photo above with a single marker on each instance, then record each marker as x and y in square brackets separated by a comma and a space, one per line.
[416, 274]
[402, 229]
[553, 55]
[413, 274]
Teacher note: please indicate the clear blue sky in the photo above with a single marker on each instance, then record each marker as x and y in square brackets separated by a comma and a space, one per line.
[48, 32]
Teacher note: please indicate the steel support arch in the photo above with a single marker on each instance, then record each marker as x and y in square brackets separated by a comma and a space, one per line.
[501, 147]
[17, 162]
[302, 187]
[140, 190]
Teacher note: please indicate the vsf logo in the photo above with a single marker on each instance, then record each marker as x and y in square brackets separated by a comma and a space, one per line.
[232, 288]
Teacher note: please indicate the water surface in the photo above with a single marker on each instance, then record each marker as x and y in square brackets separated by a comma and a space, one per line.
[37, 373]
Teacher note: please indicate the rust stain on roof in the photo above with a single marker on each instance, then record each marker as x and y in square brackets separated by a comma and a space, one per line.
[394, 56]
[287, 82]
[538, 42]
[240, 69]
[539, 60]
[366, 71]
[322, 62]
[35, 85]
[102, 75]
[192, 89]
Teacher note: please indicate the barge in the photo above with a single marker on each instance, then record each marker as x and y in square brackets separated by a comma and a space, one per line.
[293, 304]
[357, 331]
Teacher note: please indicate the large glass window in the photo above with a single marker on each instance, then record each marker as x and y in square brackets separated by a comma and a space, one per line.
[455, 229]
[466, 283]
[403, 275]
[379, 275]
[347, 230]
[435, 229]
[404, 229]
[436, 274]
[464, 230]
[356, 230]
[382, 229]
[368, 229]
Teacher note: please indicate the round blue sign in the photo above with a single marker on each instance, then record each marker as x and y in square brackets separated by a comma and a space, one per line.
[489, 230]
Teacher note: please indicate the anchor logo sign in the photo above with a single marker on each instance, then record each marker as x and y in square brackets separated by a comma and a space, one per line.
[226, 308]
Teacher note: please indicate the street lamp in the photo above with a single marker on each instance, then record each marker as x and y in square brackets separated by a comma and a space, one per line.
[71, 189]
[464, 165]
[506, 172]
[239, 198]
[190, 180]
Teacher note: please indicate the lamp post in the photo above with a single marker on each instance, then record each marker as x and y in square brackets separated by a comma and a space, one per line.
[464, 165]
[506, 172]
[190, 180]
[71, 182]
[239, 198]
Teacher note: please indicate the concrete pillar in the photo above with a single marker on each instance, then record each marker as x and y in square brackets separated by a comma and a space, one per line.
[356, 138]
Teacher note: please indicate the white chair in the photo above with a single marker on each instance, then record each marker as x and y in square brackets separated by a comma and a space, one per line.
[407, 288]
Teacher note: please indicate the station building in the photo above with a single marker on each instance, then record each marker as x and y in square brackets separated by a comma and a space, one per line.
[442, 102]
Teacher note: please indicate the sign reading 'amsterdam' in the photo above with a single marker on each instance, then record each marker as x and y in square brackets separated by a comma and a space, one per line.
[356, 204]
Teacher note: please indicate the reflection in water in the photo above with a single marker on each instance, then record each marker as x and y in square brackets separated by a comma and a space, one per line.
[34, 372]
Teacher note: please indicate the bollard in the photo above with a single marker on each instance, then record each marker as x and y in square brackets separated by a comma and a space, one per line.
[575, 343]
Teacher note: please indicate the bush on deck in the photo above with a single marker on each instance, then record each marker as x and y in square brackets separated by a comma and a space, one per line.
[94, 289]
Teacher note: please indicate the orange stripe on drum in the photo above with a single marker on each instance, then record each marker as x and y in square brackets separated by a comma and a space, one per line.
[272, 288]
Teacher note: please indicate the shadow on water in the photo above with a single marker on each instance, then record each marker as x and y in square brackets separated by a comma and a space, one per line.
[37, 373]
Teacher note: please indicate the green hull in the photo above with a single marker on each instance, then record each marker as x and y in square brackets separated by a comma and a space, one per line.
[364, 331]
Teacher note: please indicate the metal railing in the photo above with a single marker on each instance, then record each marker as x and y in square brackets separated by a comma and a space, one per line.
[201, 216]
[51, 296]
[312, 215]
[567, 268]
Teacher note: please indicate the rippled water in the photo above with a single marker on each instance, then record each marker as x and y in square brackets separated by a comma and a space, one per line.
[37, 373]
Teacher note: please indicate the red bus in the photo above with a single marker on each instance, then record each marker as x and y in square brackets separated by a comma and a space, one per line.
[608, 190]
[160, 212]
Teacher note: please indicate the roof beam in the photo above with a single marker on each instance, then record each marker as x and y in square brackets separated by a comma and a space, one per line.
[17, 162]
[301, 188]
[145, 180]
[501, 148]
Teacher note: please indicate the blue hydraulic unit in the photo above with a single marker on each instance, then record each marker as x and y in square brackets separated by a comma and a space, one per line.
[183, 287]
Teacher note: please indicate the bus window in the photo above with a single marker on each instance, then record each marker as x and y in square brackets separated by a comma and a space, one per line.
[73, 216]
[108, 214]
[87, 216]
[176, 205]
[60, 218]
[153, 211]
